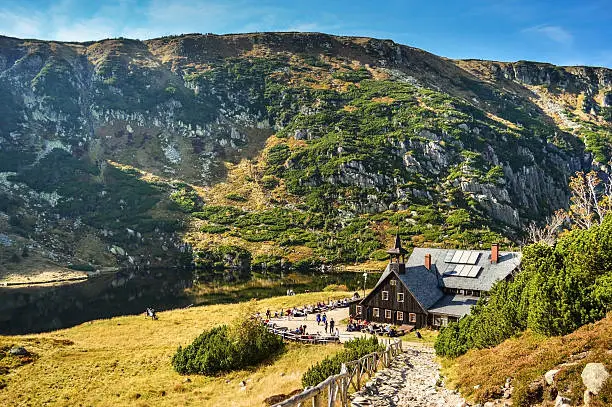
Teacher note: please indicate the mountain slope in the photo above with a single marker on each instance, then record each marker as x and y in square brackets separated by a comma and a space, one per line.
[298, 146]
[481, 374]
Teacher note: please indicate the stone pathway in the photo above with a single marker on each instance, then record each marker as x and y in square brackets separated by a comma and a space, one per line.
[411, 380]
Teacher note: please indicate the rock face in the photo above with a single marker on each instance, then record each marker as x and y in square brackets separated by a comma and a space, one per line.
[594, 376]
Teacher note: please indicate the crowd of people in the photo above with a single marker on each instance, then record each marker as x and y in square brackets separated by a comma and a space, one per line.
[303, 312]
[357, 325]
[318, 310]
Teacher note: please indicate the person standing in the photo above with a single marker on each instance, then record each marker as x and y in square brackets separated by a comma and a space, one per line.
[331, 325]
[325, 321]
[318, 318]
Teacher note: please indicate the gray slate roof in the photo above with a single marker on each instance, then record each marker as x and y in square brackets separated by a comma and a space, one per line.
[489, 274]
[454, 305]
[422, 283]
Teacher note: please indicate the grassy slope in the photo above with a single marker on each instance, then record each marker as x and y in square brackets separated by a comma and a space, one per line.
[527, 358]
[126, 361]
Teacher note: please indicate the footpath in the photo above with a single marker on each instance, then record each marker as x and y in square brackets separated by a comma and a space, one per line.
[412, 380]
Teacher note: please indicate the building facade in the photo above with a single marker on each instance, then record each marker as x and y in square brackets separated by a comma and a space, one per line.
[435, 286]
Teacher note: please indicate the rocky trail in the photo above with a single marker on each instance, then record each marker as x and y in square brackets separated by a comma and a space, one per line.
[413, 379]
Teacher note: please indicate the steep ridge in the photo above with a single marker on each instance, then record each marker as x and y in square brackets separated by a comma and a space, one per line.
[280, 147]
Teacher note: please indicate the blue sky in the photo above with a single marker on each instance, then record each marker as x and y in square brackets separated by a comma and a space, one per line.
[562, 32]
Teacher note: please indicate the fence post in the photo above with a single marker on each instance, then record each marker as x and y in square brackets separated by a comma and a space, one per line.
[330, 394]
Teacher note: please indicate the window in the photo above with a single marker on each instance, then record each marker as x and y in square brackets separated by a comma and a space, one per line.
[412, 317]
[436, 321]
[400, 297]
[388, 313]
[400, 316]
[385, 295]
[358, 310]
[393, 282]
[376, 312]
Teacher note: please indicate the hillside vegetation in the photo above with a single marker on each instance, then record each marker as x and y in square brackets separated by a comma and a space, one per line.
[481, 374]
[558, 289]
[127, 361]
[280, 148]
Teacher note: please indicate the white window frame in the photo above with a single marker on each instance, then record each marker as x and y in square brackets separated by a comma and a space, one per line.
[388, 314]
[399, 315]
[412, 317]
[393, 282]
[385, 295]
[358, 309]
[400, 297]
[376, 312]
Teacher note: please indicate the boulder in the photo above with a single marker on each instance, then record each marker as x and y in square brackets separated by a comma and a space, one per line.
[562, 402]
[18, 351]
[549, 376]
[594, 376]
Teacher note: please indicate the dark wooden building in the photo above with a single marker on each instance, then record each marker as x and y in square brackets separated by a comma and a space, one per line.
[434, 287]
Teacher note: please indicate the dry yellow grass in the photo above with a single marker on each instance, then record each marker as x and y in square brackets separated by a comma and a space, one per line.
[479, 374]
[127, 361]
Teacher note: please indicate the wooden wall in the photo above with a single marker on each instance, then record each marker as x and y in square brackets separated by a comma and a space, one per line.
[374, 300]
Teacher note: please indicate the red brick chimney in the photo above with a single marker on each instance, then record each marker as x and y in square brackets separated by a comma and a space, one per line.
[495, 253]
[428, 261]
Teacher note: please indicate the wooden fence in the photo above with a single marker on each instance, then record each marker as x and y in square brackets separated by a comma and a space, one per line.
[334, 391]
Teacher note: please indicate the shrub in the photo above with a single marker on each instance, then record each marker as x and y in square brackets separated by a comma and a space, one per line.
[186, 199]
[213, 229]
[227, 348]
[330, 366]
[269, 182]
[233, 196]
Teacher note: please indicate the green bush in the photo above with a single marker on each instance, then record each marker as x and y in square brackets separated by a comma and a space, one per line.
[213, 229]
[353, 350]
[236, 197]
[269, 182]
[186, 199]
[224, 349]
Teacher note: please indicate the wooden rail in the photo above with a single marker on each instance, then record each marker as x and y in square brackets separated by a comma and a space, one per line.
[334, 391]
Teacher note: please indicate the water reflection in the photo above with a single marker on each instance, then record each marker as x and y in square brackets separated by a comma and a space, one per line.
[44, 308]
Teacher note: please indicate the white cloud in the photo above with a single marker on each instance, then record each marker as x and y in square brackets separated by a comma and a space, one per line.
[22, 25]
[62, 20]
[552, 32]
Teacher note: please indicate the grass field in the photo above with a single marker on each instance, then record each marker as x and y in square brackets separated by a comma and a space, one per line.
[127, 361]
